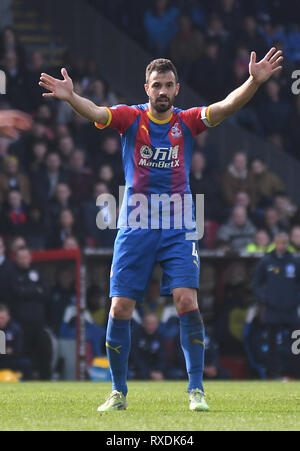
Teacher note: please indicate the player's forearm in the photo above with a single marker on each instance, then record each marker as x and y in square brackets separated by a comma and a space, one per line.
[234, 101]
[88, 109]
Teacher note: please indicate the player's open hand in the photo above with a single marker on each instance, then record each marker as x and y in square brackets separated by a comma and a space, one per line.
[60, 89]
[12, 121]
[268, 66]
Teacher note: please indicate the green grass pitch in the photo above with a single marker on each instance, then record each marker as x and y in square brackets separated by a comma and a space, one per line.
[161, 406]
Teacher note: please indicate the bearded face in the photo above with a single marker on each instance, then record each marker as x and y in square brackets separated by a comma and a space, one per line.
[162, 103]
[162, 90]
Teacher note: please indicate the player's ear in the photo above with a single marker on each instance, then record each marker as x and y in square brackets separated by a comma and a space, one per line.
[146, 89]
[177, 88]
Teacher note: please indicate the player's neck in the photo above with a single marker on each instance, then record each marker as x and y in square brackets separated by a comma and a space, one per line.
[160, 116]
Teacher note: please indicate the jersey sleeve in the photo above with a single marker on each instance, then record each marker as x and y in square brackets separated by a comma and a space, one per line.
[120, 118]
[196, 119]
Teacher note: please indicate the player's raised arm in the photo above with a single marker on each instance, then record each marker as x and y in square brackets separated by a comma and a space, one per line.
[64, 90]
[259, 72]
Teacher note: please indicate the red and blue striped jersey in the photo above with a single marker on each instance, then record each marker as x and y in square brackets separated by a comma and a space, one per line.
[156, 154]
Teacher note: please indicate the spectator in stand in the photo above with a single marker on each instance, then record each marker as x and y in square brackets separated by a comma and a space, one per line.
[106, 175]
[92, 234]
[148, 357]
[237, 178]
[292, 134]
[230, 13]
[16, 243]
[97, 305]
[271, 32]
[5, 272]
[276, 140]
[169, 326]
[70, 242]
[95, 335]
[266, 183]
[207, 291]
[38, 153]
[66, 227]
[23, 147]
[274, 110]
[35, 229]
[9, 42]
[293, 40]
[99, 94]
[204, 182]
[160, 22]
[29, 306]
[16, 88]
[12, 178]
[242, 199]
[271, 222]
[237, 233]
[45, 116]
[261, 242]
[61, 199]
[61, 130]
[65, 148]
[207, 79]
[276, 283]
[203, 145]
[216, 30]
[36, 66]
[233, 312]
[288, 212]
[250, 37]
[295, 240]
[45, 181]
[154, 303]
[213, 369]
[15, 214]
[14, 342]
[186, 47]
[110, 153]
[80, 177]
[63, 295]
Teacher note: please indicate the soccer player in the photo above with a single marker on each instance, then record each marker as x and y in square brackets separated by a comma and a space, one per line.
[157, 142]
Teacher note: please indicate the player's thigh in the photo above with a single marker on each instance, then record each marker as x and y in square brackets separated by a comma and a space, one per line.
[133, 262]
[180, 262]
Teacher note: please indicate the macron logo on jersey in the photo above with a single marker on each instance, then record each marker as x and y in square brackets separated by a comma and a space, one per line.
[159, 157]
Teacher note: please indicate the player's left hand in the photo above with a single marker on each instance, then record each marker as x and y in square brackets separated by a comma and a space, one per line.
[12, 121]
[268, 66]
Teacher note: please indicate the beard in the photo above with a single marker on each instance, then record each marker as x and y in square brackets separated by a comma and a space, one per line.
[162, 107]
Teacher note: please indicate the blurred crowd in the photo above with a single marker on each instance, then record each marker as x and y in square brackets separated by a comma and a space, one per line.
[51, 176]
[210, 43]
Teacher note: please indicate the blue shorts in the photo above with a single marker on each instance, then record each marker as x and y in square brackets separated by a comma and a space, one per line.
[137, 250]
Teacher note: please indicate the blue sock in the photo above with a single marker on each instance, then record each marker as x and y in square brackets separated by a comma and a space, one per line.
[118, 340]
[192, 342]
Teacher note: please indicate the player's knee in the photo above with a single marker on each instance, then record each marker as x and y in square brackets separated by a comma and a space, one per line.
[121, 308]
[185, 303]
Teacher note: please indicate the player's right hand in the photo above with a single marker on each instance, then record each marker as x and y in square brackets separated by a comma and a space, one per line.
[59, 89]
[12, 121]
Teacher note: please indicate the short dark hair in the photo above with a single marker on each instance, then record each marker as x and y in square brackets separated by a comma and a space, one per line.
[4, 308]
[161, 65]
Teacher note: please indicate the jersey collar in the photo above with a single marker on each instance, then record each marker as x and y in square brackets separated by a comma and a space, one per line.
[157, 121]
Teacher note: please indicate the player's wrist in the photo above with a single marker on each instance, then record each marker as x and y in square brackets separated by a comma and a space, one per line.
[254, 82]
[70, 99]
